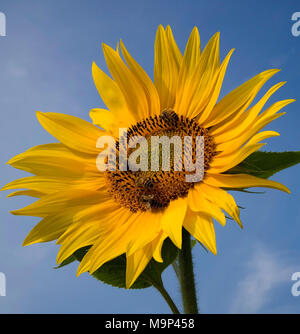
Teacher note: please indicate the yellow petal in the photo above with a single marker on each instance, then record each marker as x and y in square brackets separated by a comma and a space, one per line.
[112, 242]
[222, 162]
[242, 181]
[233, 145]
[145, 82]
[49, 228]
[262, 136]
[202, 228]
[240, 121]
[71, 131]
[110, 121]
[90, 230]
[38, 183]
[216, 88]
[165, 70]
[146, 232]
[100, 212]
[172, 220]
[52, 160]
[136, 263]
[157, 246]
[203, 81]
[194, 91]
[62, 200]
[110, 93]
[188, 65]
[240, 97]
[272, 110]
[222, 199]
[254, 125]
[198, 203]
[127, 82]
[79, 235]
[174, 49]
[31, 193]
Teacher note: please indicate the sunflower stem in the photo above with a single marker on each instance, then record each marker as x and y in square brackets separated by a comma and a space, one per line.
[186, 276]
[160, 287]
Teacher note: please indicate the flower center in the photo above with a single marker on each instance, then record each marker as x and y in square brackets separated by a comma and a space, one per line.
[154, 188]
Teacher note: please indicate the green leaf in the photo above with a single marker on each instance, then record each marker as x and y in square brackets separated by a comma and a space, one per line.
[67, 261]
[265, 164]
[114, 271]
[193, 243]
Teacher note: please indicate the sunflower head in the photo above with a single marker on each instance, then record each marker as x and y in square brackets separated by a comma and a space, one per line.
[152, 189]
[133, 212]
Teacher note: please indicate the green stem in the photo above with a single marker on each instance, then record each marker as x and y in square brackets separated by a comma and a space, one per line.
[186, 276]
[160, 287]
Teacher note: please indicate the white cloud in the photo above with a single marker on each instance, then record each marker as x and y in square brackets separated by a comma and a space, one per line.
[265, 271]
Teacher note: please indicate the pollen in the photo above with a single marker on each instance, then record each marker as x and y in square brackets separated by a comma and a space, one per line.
[153, 190]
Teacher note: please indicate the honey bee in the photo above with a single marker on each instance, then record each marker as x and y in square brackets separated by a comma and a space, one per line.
[145, 182]
[169, 115]
[155, 204]
[146, 198]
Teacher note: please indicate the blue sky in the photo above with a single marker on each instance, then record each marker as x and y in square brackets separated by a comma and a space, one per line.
[45, 65]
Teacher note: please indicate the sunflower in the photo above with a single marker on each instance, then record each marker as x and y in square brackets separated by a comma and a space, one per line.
[133, 213]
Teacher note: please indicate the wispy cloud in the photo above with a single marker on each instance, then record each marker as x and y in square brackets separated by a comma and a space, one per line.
[265, 272]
